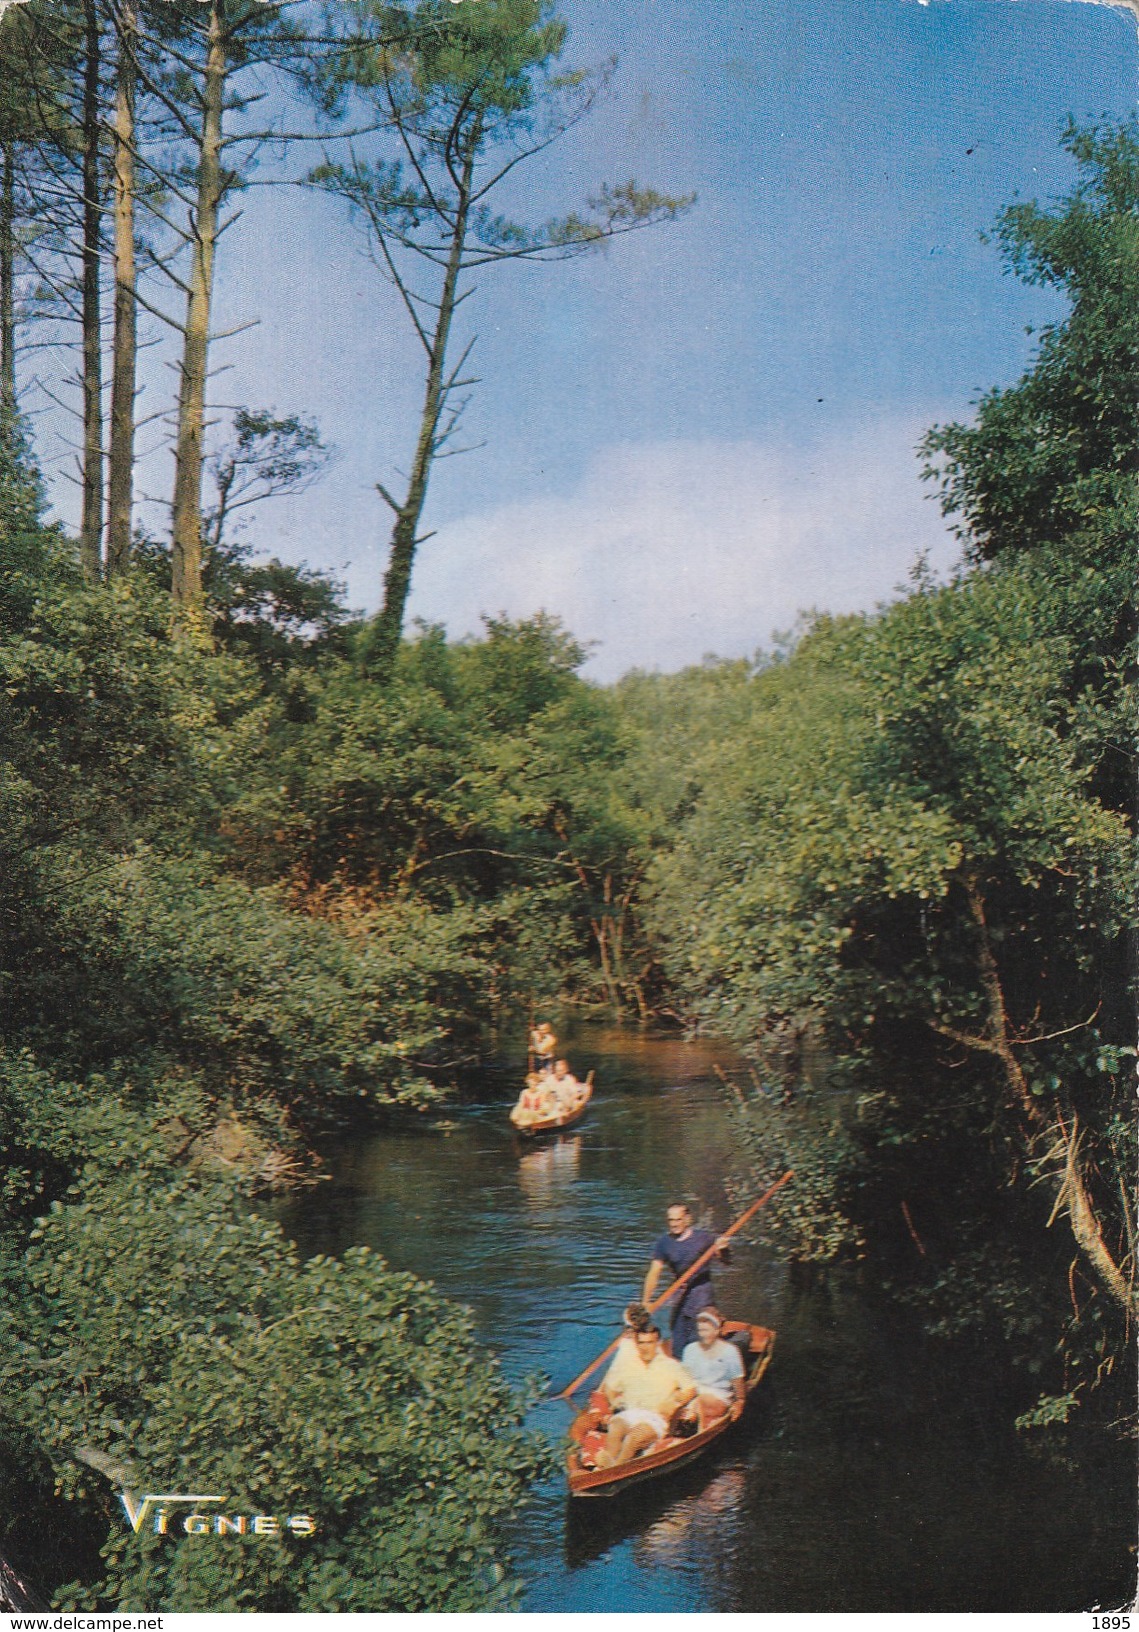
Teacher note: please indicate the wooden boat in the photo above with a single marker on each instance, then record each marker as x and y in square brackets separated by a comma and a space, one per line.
[671, 1453]
[564, 1119]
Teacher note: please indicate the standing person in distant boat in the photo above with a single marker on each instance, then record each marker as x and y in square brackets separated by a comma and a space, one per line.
[678, 1250]
[543, 1045]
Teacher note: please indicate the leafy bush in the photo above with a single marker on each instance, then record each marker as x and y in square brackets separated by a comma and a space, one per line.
[910, 842]
[158, 1329]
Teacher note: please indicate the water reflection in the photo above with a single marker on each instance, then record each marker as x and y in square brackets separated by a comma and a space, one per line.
[683, 1522]
[545, 1173]
[699, 1521]
[858, 1479]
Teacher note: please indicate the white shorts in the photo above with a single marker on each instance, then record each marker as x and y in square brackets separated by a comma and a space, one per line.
[634, 1415]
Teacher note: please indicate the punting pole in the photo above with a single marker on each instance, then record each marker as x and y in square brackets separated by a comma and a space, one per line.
[680, 1280]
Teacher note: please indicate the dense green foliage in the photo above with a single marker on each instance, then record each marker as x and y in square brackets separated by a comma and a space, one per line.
[158, 1333]
[249, 892]
[253, 893]
[905, 868]
[1054, 458]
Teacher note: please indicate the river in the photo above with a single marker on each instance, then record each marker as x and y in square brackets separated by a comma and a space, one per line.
[864, 1478]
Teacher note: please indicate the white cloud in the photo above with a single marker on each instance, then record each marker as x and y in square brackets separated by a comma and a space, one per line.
[667, 551]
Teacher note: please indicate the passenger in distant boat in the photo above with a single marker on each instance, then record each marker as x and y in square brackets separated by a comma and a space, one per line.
[679, 1250]
[566, 1086]
[717, 1369]
[528, 1098]
[536, 1101]
[543, 1045]
[645, 1396]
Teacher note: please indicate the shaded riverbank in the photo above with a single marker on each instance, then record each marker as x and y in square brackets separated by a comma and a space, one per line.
[869, 1476]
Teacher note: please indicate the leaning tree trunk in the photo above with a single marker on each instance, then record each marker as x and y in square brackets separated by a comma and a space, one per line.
[124, 365]
[15, 1592]
[7, 279]
[91, 525]
[1073, 1195]
[187, 521]
[388, 627]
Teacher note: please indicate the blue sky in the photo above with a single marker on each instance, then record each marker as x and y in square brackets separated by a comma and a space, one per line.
[710, 425]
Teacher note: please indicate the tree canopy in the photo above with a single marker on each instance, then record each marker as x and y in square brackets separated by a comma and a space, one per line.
[1053, 459]
[259, 886]
[906, 863]
[477, 93]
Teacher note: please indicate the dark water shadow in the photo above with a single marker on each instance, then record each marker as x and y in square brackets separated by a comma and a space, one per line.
[676, 1501]
[866, 1476]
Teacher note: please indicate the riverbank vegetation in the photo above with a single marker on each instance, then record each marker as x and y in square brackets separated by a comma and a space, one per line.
[907, 846]
[265, 869]
[269, 870]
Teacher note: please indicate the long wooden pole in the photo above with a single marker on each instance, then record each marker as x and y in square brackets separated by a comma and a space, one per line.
[680, 1281]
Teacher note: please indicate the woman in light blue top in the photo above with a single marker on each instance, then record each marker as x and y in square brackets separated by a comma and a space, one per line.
[716, 1367]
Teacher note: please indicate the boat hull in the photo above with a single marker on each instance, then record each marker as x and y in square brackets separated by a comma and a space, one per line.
[669, 1454]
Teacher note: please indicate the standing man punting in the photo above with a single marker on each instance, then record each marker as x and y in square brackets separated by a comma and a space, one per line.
[678, 1250]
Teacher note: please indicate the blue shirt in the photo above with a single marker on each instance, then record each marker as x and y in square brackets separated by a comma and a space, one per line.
[681, 1255]
[716, 1368]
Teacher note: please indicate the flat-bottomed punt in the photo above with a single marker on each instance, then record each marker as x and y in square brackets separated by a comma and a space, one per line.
[671, 1452]
[561, 1119]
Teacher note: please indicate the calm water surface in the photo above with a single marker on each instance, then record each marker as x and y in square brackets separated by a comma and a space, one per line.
[862, 1479]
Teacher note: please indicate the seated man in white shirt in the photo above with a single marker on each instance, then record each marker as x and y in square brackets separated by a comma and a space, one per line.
[566, 1086]
[717, 1369]
[645, 1394]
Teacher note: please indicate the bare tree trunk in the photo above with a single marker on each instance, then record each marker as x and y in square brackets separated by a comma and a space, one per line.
[623, 918]
[226, 477]
[187, 519]
[607, 932]
[7, 280]
[15, 1592]
[91, 526]
[388, 626]
[121, 499]
[1073, 1193]
[600, 927]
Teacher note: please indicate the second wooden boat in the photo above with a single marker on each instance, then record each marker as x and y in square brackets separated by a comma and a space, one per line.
[562, 1119]
[672, 1452]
